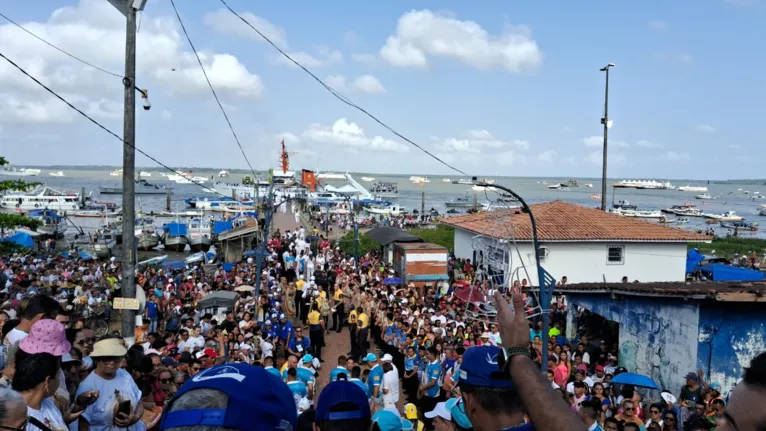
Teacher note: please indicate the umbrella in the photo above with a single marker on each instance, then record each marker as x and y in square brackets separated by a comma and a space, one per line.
[638, 380]
[221, 298]
[244, 288]
[392, 280]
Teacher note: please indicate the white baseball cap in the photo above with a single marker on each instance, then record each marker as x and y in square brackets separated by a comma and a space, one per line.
[387, 358]
[441, 411]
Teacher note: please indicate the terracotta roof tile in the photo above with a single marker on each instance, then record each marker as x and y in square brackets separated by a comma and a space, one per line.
[562, 221]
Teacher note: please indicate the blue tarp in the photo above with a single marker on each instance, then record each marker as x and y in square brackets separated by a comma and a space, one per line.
[21, 238]
[693, 258]
[175, 229]
[721, 272]
[220, 227]
[174, 265]
[253, 253]
[85, 256]
[228, 266]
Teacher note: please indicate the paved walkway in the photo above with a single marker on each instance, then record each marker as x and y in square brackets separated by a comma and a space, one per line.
[284, 219]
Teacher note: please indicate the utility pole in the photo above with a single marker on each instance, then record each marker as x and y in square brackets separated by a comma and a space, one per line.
[269, 208]
[128, 286]
[605, 121]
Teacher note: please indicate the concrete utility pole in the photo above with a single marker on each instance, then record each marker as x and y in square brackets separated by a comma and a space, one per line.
[607, 124]
[128, 286]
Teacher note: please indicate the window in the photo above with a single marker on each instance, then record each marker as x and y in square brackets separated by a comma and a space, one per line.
[615, 255]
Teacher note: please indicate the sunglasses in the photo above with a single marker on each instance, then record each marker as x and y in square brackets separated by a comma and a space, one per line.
[196, 368]
[168, 380]
[669, 419]
[630, 409]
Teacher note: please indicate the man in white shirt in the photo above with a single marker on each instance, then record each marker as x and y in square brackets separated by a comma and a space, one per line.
[390, 385]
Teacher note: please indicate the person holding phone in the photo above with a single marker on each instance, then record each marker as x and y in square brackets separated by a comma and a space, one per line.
[118, 406]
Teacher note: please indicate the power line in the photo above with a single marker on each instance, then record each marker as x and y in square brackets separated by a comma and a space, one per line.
[215, 95]
[101, 126]
[59, 49]
[340, 96]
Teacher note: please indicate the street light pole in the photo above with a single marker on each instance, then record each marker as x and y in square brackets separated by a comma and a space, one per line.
[605, 122]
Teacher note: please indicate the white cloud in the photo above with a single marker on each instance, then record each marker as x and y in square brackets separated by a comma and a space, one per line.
[478, 141]
[704, 128]
[420, 34]
[506, 158]
[336, 82]
[225, 22]
[675, 156]
[348, 134]
[648, 144]
[324, 58]
[369, 84]
[546, 156]
[658, 26]
[596, 158]
[366, 59]
[94, 30]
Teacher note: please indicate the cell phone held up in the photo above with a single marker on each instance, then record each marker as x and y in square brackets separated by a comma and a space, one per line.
[83, 401]
[124, 407]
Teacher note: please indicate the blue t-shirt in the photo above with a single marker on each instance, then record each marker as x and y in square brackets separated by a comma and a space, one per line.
[411, 363]
[337, 370]
[299, 346]
[304, 375]
[375, 378]
[286, 330]
[298, 388]
[433, 372]
[151, 310]
[362, 385]
[273, 371]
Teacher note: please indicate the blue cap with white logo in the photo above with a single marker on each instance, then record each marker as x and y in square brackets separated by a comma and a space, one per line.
[340, 392]
[258, 401]
[481, 368]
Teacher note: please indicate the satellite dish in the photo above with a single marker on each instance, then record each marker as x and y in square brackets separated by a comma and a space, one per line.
[141, 296]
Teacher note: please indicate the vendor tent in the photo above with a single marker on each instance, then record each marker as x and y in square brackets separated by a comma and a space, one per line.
[219, 299]
[722, 272]
[693, 258]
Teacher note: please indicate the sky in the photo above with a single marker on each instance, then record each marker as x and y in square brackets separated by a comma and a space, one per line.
[491, 88]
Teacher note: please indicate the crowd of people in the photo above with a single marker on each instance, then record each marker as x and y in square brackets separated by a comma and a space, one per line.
[417, 357]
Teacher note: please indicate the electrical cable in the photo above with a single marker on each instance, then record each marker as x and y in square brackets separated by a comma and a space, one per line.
[215, 95]
[339, 96]
[101, 126]
[59, 49]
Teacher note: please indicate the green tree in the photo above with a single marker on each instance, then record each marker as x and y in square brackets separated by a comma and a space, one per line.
[12, 221]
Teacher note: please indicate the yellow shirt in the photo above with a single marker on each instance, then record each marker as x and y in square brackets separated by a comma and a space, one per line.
[323, 295]
[338, 295]
[284, 367]
[314, 317]
[364, 321]
[299, 285]
[352, 317]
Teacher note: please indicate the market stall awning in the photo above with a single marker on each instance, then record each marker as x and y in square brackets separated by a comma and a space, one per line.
[385, 235]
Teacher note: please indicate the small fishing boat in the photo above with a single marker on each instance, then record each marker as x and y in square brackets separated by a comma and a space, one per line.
[460, 202]
[103, 244]
[727, 216]
[146, 235]
[174, 237]
[56, 174]
[637, 213]
[199, 234]
[740, 225]
[154, 261]
[704, 196]
[200, 256]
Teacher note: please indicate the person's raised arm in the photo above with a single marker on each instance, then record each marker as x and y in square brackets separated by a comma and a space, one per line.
[547, 410]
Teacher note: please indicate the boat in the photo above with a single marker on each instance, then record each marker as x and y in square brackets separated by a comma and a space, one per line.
[10, 171]
[461, 202]
[625, 205]
[384, 190]
[154, 261]
[644, 184]
[740, 225]
[224, 206]
[220, 204]
[174, 236]
[223, 174]
[696, 189]
[590, 186]
[555, 186]
[571, 183]
[419, 180]
[116, 173]
[704, 196]
[53, 225]
[367, 179]
[187, 213]
[387, 210]
[143, 187]
[146, 235]
[506, 197]
[56, 174]
[42, 197]
[727, 216]
[464, 181]
[446, 180]
[144, 174]
[103, 244]
[199, 234]
[596, 197]
[331, 176]
[201, 256]
[762, 212]
[637, 213]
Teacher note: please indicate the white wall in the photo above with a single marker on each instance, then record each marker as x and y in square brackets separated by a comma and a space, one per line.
[587, 261]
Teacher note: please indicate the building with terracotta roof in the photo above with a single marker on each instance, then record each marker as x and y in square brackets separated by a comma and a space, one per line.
[580, 243]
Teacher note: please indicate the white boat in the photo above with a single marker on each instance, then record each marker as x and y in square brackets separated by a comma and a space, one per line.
[53, 225]
[223, 174]
[446, 180]
[644, 184]
[199, 234]
[325, 197]
[368, 179]
[144, 174]
[385, 190]
[637, 213]
[10, 171]
[590, 186]
[727, 216]
[330, 176]
[116, 173]
[103, 244]
[482, 189]
[392, 210]
[56, 174]
[174, 236]
[207, 204]
[419, 180]
[463, 181]
[241, 191]
[224, 206]
[153, 261]
[198, 179]
[696, 189]
[146, 236]
[460, 202]
[704, 196]
[42, 198]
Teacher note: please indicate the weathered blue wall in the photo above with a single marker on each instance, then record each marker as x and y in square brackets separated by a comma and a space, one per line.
[734, 332]
[658, 337]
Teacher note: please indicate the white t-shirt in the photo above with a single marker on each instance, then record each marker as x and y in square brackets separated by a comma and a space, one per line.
[15, 335]
[390, 383]
[48, 414]
[100, 415]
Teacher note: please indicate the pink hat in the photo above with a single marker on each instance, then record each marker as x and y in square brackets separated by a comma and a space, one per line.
[46, 336]
[582, 367]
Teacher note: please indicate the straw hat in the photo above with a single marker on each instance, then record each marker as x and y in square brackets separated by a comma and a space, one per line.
[111, 347]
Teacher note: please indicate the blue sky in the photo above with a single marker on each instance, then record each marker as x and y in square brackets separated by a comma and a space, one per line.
[508, 88]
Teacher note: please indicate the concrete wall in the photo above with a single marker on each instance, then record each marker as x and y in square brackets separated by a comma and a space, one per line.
[658, 338]
[733, 342]
[587, 261]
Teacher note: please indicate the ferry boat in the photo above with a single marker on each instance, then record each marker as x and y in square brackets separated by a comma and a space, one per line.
[644, 184]
[10, 171]
[696, 189]
[42, 198]
[388, 210]
[385, 190]
[637, 213]
[143, 187]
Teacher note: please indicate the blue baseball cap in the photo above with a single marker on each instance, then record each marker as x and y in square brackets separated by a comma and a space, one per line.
[338, 392]
[457, 411]
[307, 358]
[258, 400]
[391, 420]
[370, 357]
[480, 368]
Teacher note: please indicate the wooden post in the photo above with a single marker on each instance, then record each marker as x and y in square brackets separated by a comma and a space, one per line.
[422, 207]
[82, 197]
[167, 200]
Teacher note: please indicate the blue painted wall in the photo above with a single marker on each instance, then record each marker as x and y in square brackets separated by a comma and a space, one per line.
[734, 333]
[658, 337]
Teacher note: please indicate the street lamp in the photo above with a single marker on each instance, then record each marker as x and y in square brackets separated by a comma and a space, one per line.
[545, 282]
[607, 124]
